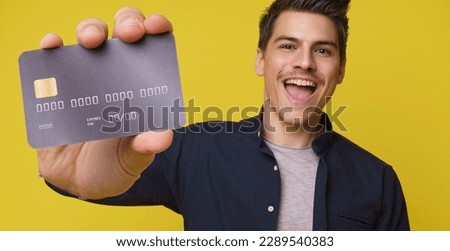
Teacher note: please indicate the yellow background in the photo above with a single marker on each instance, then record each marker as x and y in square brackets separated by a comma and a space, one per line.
[397, 90]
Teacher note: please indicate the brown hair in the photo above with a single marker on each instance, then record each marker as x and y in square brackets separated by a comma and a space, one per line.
[336, 10]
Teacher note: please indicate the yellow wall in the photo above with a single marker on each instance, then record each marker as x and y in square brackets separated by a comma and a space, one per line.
[397, 90]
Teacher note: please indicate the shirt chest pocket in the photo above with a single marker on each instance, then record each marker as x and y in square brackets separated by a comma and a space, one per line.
[354, 220]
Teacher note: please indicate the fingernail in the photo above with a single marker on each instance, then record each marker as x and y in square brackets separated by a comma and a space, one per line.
[92, 28]
[130, 22]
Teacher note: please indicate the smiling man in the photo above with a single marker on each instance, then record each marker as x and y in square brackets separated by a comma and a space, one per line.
[301, 65]
[282, 170]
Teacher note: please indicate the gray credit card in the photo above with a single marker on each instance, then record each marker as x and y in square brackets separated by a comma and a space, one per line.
[72, 94]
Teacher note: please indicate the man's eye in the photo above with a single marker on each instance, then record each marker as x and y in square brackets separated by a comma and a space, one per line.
[323, 51]
[288, 47]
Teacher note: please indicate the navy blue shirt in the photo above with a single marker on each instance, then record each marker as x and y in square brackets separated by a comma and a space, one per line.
[221, 176]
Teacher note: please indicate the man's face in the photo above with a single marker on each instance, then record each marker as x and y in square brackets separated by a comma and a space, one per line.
[301, 66]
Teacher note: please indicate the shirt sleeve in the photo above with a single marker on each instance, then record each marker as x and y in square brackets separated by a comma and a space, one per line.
[154, 187]
[394, 215]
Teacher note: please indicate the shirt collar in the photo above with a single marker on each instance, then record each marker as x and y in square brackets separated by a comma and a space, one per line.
[320, 144]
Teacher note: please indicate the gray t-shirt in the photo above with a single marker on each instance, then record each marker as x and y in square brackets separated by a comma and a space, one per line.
[298, 169]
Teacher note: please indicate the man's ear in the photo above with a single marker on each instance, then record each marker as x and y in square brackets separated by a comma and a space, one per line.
[342, 70]
[259, 64]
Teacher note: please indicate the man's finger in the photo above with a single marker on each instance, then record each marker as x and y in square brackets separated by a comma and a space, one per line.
[156, 24]
[152, 142]
[92, 32]
[51, 40]
[129, 24]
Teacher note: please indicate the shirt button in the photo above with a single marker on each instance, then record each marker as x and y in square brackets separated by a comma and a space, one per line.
[275, 168]
[270, 209]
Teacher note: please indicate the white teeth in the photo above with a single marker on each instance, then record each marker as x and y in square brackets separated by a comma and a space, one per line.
[300, 82]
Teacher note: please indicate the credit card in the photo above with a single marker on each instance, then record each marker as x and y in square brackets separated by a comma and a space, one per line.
[72, 94]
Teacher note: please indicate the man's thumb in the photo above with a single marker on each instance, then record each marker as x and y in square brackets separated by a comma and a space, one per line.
[152, 142]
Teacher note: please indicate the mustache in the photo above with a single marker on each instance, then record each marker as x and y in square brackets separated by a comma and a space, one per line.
[302, 74]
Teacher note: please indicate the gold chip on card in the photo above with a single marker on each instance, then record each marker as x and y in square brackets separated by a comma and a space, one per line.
[44, 88]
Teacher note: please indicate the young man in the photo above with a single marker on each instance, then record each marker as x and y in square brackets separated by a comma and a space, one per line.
[283, 170]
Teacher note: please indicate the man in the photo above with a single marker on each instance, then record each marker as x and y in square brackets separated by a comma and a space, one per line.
[283, 170]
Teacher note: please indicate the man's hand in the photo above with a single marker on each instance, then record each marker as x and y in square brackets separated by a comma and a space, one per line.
[105, 168]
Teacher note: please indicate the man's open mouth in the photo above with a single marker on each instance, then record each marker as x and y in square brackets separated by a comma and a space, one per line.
[299, 89]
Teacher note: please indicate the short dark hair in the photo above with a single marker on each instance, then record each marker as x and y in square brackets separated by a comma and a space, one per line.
[336, 10]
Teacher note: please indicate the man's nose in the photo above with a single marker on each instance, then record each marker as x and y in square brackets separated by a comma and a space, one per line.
[304, 59]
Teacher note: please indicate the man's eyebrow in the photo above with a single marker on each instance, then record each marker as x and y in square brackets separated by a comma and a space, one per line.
[289, 38]
[296, 40]
[327, 42]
